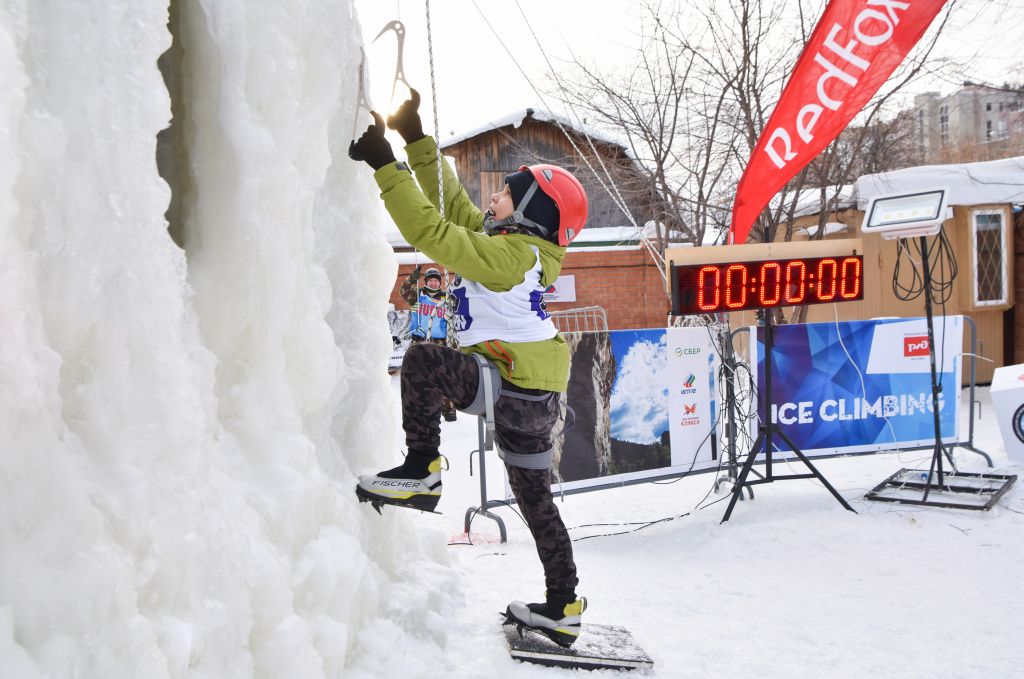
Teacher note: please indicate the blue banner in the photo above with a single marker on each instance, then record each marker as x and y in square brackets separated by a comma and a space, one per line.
[860, 386]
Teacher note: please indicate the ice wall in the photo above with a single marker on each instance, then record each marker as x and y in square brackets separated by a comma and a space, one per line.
[179, 430]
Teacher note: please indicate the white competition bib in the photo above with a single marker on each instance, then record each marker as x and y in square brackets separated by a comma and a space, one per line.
[516, 315]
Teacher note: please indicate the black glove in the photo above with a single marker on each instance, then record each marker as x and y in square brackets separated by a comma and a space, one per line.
[406, 120]
[372, 146]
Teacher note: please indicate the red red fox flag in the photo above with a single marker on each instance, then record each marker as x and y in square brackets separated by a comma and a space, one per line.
[853, 50]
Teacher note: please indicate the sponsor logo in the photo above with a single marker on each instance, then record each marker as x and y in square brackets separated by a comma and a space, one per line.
[915, 345]
[691, 351]
[396, 484]
[688, 387]
[1018, 423]
[690, 418]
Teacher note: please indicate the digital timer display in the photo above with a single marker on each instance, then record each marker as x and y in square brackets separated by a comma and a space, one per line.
[735, 286]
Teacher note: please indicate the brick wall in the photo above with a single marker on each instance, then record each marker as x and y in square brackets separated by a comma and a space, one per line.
[626, 283]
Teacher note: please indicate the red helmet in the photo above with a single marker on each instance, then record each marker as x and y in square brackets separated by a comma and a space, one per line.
[568, 194]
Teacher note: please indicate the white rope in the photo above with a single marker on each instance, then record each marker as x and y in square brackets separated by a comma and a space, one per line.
[655, 255]
[619, 201]
[437, 127]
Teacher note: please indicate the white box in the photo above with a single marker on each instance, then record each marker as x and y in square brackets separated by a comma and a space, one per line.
[1008, 400]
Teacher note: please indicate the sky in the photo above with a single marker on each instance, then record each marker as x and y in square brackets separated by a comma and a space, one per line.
[478, 81]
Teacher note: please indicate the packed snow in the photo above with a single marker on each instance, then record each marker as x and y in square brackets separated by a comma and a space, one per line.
[791, 586]
[180, 430]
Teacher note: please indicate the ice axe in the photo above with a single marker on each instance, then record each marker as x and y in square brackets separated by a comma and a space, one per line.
[399, 28]
[362, 101]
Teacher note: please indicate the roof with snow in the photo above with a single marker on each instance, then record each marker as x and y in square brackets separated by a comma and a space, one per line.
[994, 181]
[516, 119]
[990, 182]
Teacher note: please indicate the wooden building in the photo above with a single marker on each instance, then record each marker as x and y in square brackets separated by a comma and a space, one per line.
[484, 156]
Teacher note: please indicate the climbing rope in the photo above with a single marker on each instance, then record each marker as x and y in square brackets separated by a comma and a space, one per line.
[437, 127]
[614, 195]
[449, 313]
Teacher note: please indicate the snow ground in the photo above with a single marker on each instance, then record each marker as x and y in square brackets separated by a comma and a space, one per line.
[791, 586]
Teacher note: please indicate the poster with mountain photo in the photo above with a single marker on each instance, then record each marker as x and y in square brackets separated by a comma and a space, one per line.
[643, 401]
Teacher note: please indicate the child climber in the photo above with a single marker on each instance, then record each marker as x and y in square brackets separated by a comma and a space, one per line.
[504, 259]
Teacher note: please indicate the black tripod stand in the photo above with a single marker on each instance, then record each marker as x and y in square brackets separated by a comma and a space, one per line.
[766, 431]
[959, 490]
[938, 451]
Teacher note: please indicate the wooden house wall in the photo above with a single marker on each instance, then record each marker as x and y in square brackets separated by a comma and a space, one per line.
[483, 161]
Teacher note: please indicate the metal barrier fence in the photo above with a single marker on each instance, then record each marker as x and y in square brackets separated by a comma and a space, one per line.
[568, 322]
[584, 319]
[593, 319]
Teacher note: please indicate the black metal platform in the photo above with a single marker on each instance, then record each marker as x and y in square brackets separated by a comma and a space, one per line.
[957, 490]
[600, 647]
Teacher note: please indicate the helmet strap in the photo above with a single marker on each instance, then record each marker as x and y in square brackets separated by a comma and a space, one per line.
[491, 225]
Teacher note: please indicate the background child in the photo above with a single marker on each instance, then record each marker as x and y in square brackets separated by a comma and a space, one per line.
[427, 323]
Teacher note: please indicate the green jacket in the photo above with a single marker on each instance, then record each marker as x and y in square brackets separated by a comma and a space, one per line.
[459, 243]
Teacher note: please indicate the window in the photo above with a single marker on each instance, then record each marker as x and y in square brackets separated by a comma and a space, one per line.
[988, 106]
[988, 129]
[990, 286]
[944, 124]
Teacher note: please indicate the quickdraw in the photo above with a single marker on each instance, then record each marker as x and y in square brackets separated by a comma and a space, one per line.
[399, 28]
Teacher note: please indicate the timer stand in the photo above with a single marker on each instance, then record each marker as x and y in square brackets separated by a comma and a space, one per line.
[766, 431]
[722, 279]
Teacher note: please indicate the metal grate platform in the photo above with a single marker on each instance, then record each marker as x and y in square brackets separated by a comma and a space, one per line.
[599, 647]
[958, 490]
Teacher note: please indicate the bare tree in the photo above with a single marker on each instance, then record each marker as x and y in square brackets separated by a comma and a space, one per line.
[693, 104]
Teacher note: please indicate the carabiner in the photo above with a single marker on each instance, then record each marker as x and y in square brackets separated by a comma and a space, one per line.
[399, 28]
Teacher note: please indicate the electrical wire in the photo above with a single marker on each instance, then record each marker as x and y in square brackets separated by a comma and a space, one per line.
[942, 265]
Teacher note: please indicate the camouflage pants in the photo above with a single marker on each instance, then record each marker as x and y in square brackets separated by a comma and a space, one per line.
[430, 372]
[447, 407]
